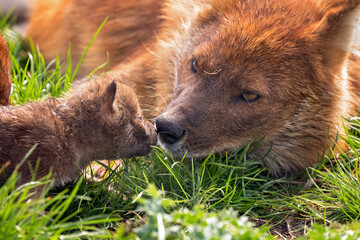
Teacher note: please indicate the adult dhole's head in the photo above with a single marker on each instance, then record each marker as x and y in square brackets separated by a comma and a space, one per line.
[261, 69]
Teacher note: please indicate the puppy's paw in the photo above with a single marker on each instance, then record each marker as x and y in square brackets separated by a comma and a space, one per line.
[99, 172]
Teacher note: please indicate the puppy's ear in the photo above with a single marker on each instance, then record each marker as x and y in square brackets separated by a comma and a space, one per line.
[109, 99]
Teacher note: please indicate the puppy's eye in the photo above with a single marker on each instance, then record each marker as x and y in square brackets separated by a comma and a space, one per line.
[193, 66]
[249, 97]
[139, 117]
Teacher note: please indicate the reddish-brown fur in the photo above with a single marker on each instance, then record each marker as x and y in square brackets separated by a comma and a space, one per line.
[5, 81]
[100, 119]
[300, 57]
[50, 26]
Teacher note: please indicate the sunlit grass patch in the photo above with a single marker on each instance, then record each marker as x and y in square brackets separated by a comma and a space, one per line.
[26, 212]
[32, 77]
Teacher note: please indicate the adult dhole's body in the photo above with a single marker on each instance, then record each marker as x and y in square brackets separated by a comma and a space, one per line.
[219, 74]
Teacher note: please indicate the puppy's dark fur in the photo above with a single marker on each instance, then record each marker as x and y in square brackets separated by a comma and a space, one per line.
[98, 120]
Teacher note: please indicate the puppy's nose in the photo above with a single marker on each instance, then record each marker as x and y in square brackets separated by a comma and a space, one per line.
[169, 132]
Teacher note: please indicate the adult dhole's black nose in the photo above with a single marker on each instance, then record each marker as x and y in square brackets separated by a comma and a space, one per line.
[169, 132]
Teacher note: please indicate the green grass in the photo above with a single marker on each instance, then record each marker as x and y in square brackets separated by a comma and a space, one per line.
[33, 78]
[160, 197]
[25, 215]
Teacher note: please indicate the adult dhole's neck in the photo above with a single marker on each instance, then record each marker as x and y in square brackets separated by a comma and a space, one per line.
[139, 74]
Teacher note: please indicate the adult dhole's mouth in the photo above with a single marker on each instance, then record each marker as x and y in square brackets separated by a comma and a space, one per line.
[180, 150]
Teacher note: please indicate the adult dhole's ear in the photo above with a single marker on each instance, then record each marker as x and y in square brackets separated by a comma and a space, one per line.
[335, 29]
[109, 99]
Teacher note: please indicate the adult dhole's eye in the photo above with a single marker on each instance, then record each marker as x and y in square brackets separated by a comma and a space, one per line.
[193, 66]
[249, 97]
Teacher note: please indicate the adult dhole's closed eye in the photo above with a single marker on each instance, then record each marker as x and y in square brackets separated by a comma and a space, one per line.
[249, 97]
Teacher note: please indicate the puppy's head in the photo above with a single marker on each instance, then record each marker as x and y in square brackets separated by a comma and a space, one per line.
[107, 120]
[129, 132]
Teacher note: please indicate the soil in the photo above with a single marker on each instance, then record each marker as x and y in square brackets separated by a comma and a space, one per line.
[289, 228]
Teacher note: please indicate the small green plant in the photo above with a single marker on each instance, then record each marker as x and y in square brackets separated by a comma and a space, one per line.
[191, 224]
[336, 232]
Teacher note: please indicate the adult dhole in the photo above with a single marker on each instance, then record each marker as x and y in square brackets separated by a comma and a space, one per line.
[220, 74]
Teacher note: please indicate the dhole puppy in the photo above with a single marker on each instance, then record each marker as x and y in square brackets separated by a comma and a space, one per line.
[220, 74]
[99, 119]
[5, 81]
